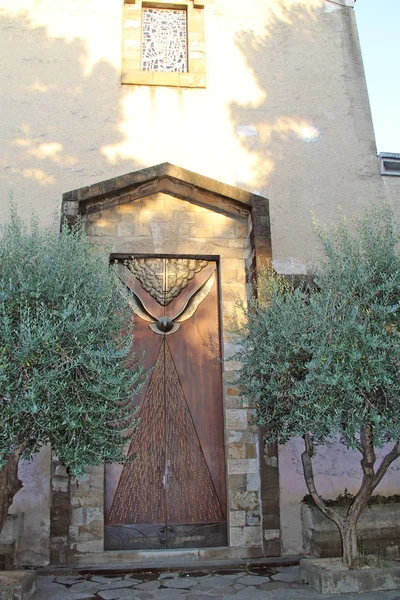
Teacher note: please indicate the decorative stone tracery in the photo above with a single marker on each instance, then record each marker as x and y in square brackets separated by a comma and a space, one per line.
[164, 40]
[164, 44]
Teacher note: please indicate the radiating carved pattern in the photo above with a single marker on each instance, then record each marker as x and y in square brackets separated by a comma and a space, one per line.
[165, 278]
[139, 497]
[190, 499]
[151, 489]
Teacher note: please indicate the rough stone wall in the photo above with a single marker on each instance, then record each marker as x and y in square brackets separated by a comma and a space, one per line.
[86, 529]
[60, 513]
[34, 500]
[163, 224]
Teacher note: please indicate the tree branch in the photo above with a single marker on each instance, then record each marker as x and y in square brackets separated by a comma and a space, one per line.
[368, 451]
[306, 459]
[385, 464]
[367, 465]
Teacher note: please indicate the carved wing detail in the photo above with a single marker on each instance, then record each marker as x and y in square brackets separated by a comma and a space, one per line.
[192, 304]
[134, 301]
[138, 308]
[195, 300]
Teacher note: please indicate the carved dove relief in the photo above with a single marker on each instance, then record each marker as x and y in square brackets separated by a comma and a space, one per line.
[163, 325]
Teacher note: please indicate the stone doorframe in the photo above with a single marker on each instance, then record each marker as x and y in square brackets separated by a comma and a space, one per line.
[167, 210]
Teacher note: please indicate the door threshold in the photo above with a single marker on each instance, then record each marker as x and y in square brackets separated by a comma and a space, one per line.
[167, 557]
[119, 568]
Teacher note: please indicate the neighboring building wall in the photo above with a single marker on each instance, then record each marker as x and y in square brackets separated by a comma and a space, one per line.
[390, 170]
[285, 114]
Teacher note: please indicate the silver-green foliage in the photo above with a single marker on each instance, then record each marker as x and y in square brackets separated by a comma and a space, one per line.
[326, 360]
[67, 373]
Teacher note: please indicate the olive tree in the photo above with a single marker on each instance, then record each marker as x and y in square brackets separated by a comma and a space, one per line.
[67, 372]
[324, 360]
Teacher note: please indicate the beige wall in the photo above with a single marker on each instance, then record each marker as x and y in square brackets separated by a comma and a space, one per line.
[285, 112]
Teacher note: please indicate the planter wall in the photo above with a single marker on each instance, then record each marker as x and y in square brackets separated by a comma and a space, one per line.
[9, 537]
[378, 531]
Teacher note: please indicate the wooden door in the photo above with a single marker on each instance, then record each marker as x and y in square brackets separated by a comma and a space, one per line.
[173, 495]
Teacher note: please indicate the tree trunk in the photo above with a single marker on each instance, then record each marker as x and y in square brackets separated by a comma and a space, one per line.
[348, 525]
[9, 484]
[348, 534]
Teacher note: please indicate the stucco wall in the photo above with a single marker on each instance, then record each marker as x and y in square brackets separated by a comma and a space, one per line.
[285, 112]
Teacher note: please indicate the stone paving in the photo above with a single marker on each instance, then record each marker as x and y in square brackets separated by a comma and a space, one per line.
[265, 583]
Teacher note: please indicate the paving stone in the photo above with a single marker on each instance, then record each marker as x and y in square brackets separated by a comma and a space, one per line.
[196, 580]
[289, 574]
[179, 583]
[101, 579]
[252, 580]
[199, 578]
[233, 575]
[149, 586]
[115, 585]
[197, 596]
[124, 594]
[66, 595]
[84, 586]
[133, 577]
[252, 593]
[170, 594]
[238, 586]
[44, 578]
[228, 590]
[221, 586]
[69, 579]
[214, 581]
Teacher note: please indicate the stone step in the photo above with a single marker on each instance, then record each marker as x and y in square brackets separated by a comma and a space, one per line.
[17, 585]
[157, 563]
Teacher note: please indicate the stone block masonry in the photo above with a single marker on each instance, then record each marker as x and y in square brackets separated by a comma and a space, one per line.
[171, 212]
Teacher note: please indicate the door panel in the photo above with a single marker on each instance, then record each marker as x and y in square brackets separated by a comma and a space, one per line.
[138, 537]
[173, 495]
